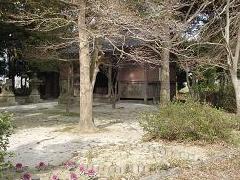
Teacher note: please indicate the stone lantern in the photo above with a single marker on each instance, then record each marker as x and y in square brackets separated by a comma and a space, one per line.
[7, 97]
[34, 97]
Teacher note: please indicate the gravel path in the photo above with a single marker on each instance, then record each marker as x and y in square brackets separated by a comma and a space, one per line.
[41, 135]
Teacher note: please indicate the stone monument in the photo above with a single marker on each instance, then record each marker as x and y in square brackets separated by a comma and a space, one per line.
[34, 97]
[7, 97]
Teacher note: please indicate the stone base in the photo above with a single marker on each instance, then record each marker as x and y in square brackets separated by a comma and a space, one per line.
[7, 101]
[21, 100]
[34, 99]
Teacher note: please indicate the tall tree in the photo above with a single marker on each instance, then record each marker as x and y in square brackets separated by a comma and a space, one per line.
[233, 51]
[86, 87]
[170, 20]
[217, 42]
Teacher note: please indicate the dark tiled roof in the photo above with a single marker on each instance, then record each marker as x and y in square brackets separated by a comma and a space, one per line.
[107, 45]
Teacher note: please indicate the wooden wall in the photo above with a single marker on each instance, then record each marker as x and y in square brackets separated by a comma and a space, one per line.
[135, 81]
[143, 82]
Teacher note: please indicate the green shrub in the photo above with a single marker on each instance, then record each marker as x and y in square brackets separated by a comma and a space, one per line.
[5, 131]
[227, 99]
[189, 121]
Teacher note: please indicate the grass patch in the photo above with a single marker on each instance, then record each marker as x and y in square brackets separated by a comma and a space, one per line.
[190, 121]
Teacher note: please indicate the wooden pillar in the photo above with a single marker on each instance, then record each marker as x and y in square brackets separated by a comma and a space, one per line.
[109, 80]
[118, 86]
[68, 89]
[145, 85]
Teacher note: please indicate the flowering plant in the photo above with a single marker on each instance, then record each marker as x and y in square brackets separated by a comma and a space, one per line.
[91, 173]
[26, 176]
[82, 169]
[70, 165]
[73, 176]
[86, 173]
[55, 177]
[19, 167]
[41, 166]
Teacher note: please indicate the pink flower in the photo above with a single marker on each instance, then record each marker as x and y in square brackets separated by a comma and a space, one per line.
[91, 173]
[54, 177]
[41, 166]
[19, 167]
[73, 176]
[26, 176]
[82, 169]
[70, 164]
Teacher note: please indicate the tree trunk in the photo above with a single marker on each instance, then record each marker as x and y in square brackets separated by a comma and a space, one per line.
[114, 89]
[233, 57]
[86, 98]
[235, 79]
[114, 94]
[145, 85]
[236, 85]
[94, 77]
[69, 87]
[68, 92]
[238, 100]
[110, 80]
[237, 95]
[165, 71]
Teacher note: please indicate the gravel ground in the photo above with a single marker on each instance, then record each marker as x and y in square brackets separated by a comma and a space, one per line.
[45, 133]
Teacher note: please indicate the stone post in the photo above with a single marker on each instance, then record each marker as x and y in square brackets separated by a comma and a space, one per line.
[34, 97]
[7, 97]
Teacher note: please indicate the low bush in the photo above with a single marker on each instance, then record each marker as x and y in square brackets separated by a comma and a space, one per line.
[227, 99]
[5, 131]
[189, 121]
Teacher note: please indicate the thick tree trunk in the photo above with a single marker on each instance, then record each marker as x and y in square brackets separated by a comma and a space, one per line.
[233, 57]
[165, 71]
[86, 99]
[237, 93]
[165, 79]
[236, 85]
[234, 72]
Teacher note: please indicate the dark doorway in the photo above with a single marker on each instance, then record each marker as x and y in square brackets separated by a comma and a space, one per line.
[101, 84]
[50, 85]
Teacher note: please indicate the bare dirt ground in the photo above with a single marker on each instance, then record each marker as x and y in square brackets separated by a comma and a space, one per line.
[45, 133]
